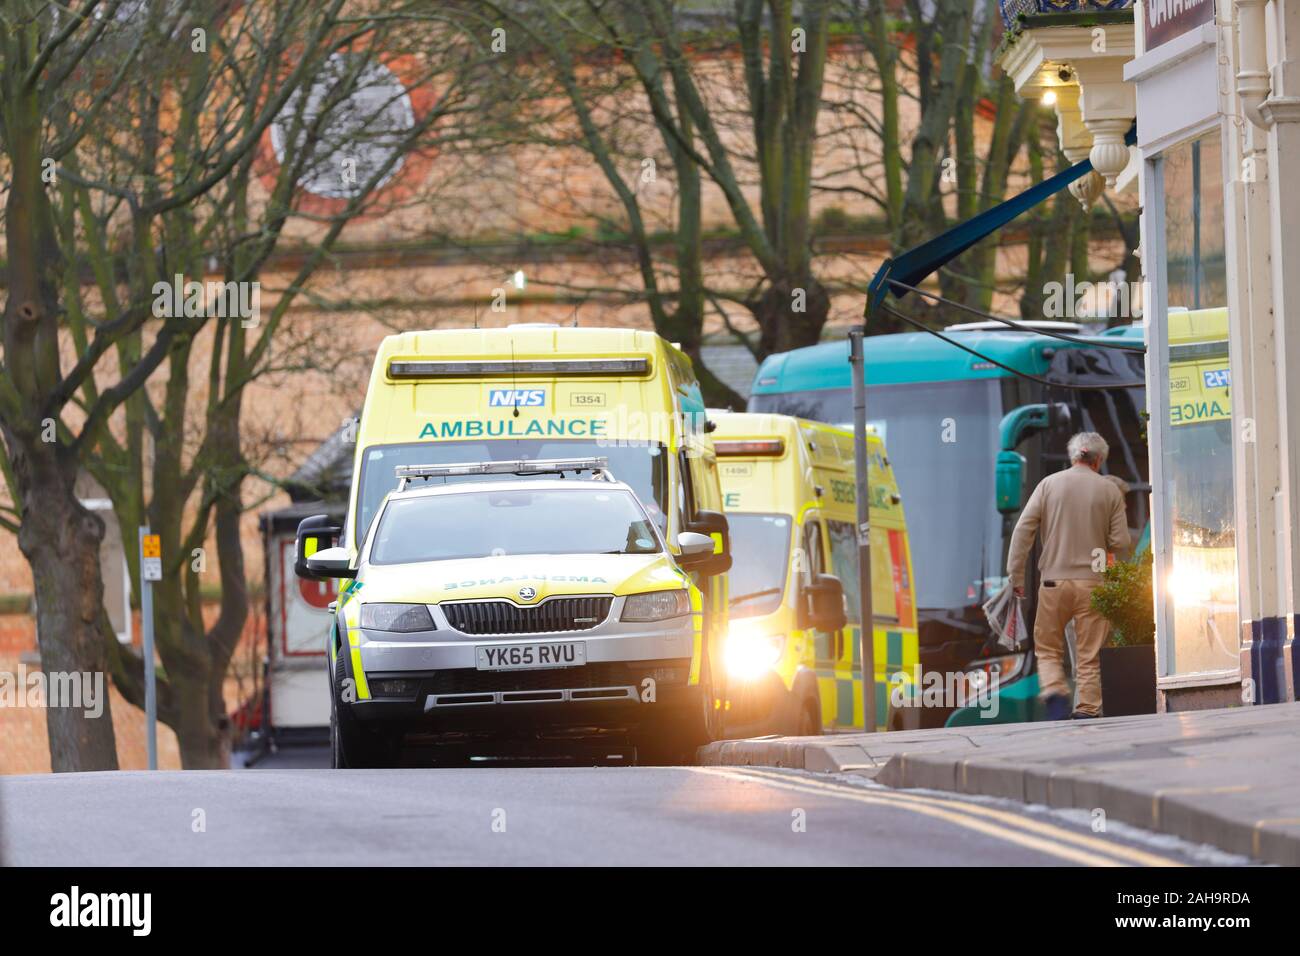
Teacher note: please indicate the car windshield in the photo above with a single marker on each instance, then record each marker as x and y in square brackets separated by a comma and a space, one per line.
[760, 547]
[478, 524]
[642, 467]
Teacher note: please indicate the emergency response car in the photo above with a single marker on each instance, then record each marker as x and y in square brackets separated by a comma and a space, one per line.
[514, 607]
[531, 392]
[793, 655]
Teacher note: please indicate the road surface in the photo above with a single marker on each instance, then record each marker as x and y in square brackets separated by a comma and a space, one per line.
[632, 816]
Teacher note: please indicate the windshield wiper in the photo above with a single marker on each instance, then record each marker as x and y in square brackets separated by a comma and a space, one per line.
[754, 594]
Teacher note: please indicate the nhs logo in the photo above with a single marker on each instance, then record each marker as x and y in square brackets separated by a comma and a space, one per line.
[1217, 378]
[516, 397]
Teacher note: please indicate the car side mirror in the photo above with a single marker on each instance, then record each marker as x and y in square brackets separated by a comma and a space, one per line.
[315, 534]
[712, 524]
[332, 563]
[825, 603]
[692, 543]
[1009, 481]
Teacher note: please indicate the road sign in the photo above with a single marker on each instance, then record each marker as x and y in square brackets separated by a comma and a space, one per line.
[150, 558]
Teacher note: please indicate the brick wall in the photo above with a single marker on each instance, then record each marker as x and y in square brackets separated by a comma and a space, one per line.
[24, 745]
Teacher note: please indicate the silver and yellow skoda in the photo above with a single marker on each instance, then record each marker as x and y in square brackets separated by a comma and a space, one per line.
[514, 599]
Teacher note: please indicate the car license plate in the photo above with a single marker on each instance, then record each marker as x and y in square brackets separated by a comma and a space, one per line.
[509, 657]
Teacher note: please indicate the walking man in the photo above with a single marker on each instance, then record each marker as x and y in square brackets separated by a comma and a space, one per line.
[1081, 517]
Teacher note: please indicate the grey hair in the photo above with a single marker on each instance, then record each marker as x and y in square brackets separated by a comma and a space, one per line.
[1088, 447]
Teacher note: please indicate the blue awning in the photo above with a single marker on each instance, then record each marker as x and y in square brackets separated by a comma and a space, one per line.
[916, 264]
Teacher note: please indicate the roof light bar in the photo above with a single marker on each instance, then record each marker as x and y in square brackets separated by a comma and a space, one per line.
[749, 448]
[538, 466]
[485, 368]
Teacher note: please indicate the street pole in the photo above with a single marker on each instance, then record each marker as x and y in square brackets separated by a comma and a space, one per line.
[150, 571]
[862, 498]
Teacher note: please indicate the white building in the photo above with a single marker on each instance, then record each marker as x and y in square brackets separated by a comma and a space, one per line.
[1215, 92]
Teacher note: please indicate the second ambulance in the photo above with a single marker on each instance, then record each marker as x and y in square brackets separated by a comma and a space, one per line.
[793, 649]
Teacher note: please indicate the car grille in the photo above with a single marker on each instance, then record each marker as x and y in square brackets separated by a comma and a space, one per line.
[603, 674]
[553, 614]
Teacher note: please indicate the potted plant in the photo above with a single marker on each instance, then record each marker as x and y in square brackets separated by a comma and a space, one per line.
[1128, 661]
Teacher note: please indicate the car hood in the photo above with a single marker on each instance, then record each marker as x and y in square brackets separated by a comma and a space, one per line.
[504, 576]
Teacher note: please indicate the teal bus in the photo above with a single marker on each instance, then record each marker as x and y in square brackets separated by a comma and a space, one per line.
[967, 440]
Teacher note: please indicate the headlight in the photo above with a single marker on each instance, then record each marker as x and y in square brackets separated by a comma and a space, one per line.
[402, 618]
[751, 652]
[656, 606]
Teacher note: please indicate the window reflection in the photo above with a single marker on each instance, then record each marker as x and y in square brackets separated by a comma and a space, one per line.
[1201, 579]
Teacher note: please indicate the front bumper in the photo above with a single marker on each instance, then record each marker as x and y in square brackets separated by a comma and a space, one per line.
[608, 697]
[633, 672]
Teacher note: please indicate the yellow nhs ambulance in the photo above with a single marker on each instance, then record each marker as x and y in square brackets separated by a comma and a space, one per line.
[793, 654]
[518, 627]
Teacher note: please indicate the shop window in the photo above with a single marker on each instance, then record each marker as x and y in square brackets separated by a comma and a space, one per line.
[1200, 569]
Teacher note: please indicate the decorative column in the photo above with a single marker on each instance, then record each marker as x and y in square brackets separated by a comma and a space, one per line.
[1109, 105]
[1076, 144]
[1280, 114]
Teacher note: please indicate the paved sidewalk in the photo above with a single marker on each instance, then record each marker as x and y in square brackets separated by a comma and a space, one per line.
[1230, 778]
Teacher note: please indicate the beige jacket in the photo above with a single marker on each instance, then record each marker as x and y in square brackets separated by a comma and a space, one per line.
[1081, 515]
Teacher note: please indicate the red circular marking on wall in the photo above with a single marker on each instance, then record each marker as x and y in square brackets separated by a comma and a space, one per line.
[323, 192]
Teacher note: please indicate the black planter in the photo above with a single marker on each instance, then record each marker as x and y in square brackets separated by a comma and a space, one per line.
[1128, 680]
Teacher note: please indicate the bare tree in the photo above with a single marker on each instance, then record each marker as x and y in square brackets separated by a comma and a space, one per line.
[581, 55]
[163, 179]
[53, 91]
[962, 153]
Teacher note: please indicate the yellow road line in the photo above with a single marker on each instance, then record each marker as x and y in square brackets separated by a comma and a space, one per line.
[1257, 832]
[1134, 855]
[1034, 834]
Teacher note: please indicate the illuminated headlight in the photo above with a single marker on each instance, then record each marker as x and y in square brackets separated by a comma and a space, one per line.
[751, 652]
[402, 618]
[656, 605]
